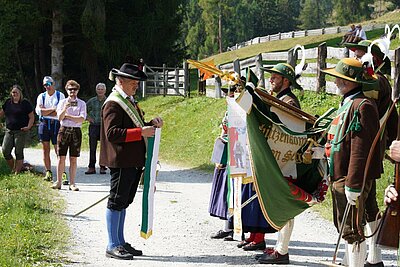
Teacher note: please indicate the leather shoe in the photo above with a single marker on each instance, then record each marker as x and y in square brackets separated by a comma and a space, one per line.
[90, 171]
[229, 237]
[268, 250]
[103, 170]
[132, 250]
[119, 253]
[254, 246]
[243, 243]
[221, 234]
[274, 258]
[379, 264]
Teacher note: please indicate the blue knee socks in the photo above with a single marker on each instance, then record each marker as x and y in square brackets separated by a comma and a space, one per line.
[113, 221]
[121, 238]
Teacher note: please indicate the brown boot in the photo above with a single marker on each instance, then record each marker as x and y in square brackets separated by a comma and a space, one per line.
[90, 171]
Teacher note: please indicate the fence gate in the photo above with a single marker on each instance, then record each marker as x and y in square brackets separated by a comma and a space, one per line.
[166, 81]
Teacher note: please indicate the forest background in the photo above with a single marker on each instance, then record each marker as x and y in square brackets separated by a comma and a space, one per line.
[83, 40]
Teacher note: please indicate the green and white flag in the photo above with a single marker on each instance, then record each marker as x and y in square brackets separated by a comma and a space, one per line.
[289, 170]
[149, 180]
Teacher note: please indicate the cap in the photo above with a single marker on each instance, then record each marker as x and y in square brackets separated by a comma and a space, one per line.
[48, 79]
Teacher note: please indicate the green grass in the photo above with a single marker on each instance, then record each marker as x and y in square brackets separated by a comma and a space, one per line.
[32, 232]
[190, 128]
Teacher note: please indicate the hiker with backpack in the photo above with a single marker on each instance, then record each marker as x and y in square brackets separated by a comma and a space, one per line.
[46, 106]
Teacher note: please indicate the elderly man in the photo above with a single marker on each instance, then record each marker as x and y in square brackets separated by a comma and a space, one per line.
[382, 97]
[350, 138]
[46, 106]
[93, 106]
[122, 148]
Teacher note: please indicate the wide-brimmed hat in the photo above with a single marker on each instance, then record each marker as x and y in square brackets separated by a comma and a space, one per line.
[376, 52]
[286, 71]
[352, 70]
[129, 71]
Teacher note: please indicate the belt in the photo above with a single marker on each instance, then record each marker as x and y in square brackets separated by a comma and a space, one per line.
[49, 120]
[70, 128]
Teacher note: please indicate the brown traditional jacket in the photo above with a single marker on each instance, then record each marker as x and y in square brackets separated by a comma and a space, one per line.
[287, 96]
[351, 158]
[115, 152]
[384, 102]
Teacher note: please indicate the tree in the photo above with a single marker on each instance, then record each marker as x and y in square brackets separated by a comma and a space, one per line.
[193, 29]
[315, 13]
[350, 11]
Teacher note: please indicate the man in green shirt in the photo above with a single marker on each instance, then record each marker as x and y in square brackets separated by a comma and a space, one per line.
[93, 106]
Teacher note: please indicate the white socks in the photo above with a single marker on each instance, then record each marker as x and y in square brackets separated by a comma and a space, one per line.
[374, 252]
[344, 261]
[282, 244]
[226, 226]
[356, 254]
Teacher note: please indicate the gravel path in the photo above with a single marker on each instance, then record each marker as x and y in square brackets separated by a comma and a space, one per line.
[182, 225]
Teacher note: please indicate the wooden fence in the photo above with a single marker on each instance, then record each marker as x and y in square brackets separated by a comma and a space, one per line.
[303, 33]
[316, 82]
[166, 81]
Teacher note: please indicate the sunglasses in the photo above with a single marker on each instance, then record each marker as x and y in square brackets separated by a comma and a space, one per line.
[72, 89]
[47, 85]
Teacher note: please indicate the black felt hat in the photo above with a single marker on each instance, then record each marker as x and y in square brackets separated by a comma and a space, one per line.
[129, 71]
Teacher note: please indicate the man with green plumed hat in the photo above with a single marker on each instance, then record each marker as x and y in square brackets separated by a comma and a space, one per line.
[383, 100]
[350, 138]
[282, 78]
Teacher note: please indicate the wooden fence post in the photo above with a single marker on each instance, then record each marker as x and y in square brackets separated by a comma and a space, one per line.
[144, 83]
[218, 85]
[292, 58]
[236, 66]
[396, 77]
[321, 64]
[186, 79]
[259, 71]
[176, 86]
[165, 79]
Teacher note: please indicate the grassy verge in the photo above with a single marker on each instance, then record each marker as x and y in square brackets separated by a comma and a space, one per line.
[32, 232]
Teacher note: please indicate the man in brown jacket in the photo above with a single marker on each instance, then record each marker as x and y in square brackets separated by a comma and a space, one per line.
[123, 145]
[383, 99]
[350, 138]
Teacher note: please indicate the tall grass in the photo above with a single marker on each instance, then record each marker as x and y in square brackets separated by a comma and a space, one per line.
[32, 233]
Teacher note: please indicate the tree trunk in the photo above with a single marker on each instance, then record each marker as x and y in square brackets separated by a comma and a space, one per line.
[57, 45]
[36, 64]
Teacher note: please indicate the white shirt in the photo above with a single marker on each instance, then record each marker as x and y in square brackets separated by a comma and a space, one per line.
[50, 101]
[361, 33]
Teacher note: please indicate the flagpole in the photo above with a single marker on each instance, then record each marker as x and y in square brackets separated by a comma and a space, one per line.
[91, 206]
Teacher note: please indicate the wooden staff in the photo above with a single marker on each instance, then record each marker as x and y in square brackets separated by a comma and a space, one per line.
[296, 112]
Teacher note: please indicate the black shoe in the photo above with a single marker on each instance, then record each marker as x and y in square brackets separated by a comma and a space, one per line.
[254, 246]
[274, 258]
[229, 237]
[119, 253]
[221, 234]
[243, 243]
[132, 250]
[379, 264]
[268, 250]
